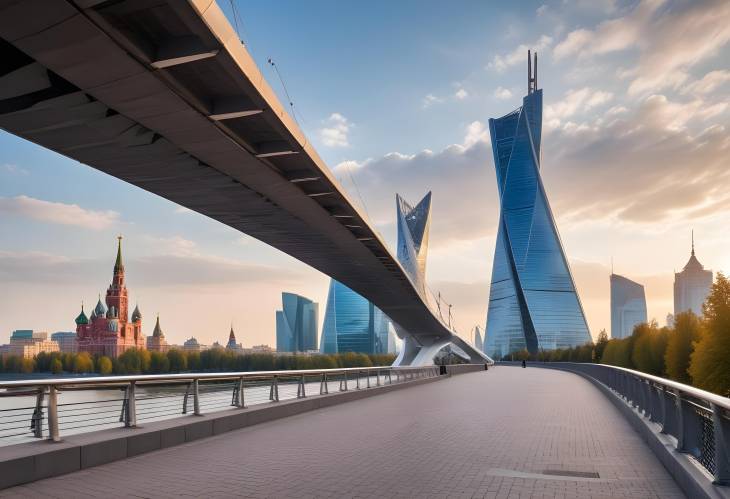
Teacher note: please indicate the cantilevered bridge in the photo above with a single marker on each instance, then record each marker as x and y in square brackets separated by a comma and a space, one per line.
[163, 94]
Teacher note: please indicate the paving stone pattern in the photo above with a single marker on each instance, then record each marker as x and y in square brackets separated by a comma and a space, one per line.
[506, 433]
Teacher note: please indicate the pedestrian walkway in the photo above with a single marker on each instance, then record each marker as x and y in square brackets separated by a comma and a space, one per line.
[505, 433]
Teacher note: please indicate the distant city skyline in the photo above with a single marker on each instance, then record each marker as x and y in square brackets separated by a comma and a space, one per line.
[631, 117]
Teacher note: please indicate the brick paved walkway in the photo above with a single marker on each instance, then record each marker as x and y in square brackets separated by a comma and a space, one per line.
[492, 434]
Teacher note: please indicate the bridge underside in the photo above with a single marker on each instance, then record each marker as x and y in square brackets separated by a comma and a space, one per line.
[163, 95]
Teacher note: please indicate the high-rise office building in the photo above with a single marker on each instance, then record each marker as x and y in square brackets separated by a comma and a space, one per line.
[691, 286]
[628, 306]
[296, 324]
[533, 303]
[478, 342]
[352, 323]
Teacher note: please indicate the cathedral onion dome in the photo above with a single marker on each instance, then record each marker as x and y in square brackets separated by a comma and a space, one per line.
[82, 319]
[136, 314]
[100, 309]
[113, 325]
[157, 333]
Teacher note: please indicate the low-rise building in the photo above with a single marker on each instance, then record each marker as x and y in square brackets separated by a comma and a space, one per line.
[192, 345]
[27, 343]
[66, 341]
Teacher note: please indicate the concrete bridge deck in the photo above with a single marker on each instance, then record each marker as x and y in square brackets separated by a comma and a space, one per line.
[505, 433]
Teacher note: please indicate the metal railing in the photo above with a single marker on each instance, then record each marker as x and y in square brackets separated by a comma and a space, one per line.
[698, 420]
[163, 396]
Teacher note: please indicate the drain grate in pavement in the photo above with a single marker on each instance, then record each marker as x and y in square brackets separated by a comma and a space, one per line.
[559, 475]
[579, 474]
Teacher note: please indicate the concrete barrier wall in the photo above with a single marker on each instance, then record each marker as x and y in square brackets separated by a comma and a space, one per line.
[24, 463]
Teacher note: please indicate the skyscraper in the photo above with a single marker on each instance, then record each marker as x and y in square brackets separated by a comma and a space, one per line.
[352, 323]
[533, 303]
[296, 324]
[691, 285]
[628, 306]
[478, 341]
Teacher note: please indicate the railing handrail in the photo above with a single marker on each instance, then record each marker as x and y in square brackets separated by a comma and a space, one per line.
[97, 380]
[697, 393]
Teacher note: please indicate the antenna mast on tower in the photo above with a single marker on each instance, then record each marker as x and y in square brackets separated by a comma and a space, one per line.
[531, 73]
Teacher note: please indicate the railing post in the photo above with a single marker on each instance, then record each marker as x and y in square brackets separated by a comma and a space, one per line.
[390, 377]
[721, 430]
[323, 389]
[688, 437]
[300, 389]
[36, 422]
[367, 378]
[53, 414]
[357, 382]
[377, 377]
[239, 398]
[185, 398]
[196, 397]
[274, 390]
[130, 416]
[343, 380]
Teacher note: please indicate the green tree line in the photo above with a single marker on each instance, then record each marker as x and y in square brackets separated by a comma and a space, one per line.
[175, 361]
[694, 351]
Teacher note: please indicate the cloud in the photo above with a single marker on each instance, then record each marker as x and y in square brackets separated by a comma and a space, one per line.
[668, 39]
[519, 55]
[643, 167]
[335, 134]
[460, 177]
[609, 36]
[57, 213]
[502, 93]
[429, 100]
[708, 83]
[575, 102]
[13, 169]
[162, 270]
[461, 94]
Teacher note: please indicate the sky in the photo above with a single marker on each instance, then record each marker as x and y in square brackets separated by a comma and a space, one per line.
[396, 97]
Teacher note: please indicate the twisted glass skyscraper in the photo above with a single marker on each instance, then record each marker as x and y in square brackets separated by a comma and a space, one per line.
[533, 303]
[352, 323]
[296, 324]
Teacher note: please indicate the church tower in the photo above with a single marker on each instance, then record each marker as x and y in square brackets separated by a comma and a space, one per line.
[116, 295]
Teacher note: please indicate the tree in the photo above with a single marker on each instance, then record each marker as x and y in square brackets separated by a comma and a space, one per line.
[178, 360]
[159, 363]
[82, 363]
[679, 346]
[648, 347]
[56, 366]
[600, 346]
[710, 362]
[105, 365]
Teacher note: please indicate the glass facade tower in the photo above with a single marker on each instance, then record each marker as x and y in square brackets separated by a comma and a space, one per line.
[296, 324]
[628, 306]
[352, 323]
[533, 303]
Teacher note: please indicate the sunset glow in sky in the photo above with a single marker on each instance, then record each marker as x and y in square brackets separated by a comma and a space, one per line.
[396, 98]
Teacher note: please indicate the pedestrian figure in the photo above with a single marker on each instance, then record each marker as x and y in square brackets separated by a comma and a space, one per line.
[524, 363]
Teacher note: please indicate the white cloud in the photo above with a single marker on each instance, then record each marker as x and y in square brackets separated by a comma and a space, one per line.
[13, 169]
[576, 102]
[609, 36]
[541, 10]
[335, 134]
[519, 55]
[475, 132]
[461, 94]
[429, 100]
[57, 213]
[502, 93]
[709, 83]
